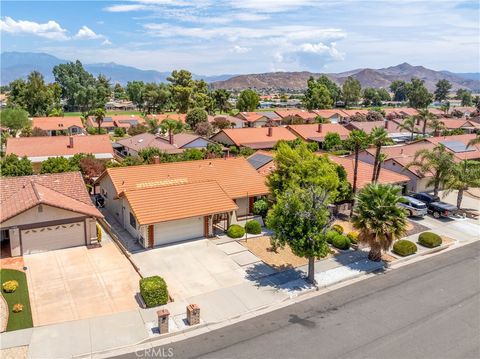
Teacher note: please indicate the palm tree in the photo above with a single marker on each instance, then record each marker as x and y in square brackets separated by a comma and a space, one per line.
[153, 125]
[379, 137]
[357, 141]
[99, 115]
[474, 142]
[437, 126]
[378, 218]
[409, 125]
[437, 162]
[464, 175]
[381, 159]
[425, 116]
[171, 127]
[445, 107]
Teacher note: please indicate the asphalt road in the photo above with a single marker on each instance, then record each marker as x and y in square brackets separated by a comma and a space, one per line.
[430, 309]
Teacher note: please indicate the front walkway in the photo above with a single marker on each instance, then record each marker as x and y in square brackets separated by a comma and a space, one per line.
[126, 239]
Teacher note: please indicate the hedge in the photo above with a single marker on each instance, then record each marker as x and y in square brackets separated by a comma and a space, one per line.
[235, 231]
[404, 248]
[253, 227]
[341, 242]
[338, 228]
[429, 239]
[154, 291]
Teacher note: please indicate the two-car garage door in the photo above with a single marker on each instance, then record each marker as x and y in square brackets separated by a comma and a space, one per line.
[180, 230]
[53, 237]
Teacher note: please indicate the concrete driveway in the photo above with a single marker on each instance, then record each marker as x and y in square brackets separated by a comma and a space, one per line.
[80, 283]
[191, 268]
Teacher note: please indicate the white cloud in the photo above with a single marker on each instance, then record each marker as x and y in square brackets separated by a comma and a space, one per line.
[106, 42]
[269, 6]
[126, 8]
[49, 30]
[85, 33]
[241, 50]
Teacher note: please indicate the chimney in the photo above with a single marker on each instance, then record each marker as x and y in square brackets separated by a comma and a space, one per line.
[156, 160]
[386, 124]
[270, 131]
[418, 121]
[70, 142]
[170, 138]
[319, 130]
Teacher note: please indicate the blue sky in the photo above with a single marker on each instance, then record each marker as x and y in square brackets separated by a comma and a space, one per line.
[249, 36]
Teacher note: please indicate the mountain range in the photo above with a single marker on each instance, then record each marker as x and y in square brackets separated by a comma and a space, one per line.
[19, 64]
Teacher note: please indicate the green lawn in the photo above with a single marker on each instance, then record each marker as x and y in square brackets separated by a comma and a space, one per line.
[23, 319]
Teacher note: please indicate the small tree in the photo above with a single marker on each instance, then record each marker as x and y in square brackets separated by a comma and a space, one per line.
[409, 125]
[119, 132]
[137, 129]
[331, 141]
[260, 208]
[221, 123]
[11, 166]
[248, 100]
[204, 129]
[14, 119]
[56, 165]
[195, 116]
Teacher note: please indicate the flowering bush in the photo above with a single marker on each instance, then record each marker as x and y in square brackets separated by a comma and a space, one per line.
[17, 308]
[10, 286]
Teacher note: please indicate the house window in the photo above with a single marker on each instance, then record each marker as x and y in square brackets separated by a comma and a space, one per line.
[133, 221]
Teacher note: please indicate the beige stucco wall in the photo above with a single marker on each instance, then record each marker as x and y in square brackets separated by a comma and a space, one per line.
[114, 206]
[242, 204]
[34, 215]
[222, 138]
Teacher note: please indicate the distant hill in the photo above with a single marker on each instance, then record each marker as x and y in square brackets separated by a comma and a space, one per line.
[367, 77]
[16, 65]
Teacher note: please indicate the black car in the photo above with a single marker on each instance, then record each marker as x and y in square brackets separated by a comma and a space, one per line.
[435, 207]
[425, 197]
[99, 200]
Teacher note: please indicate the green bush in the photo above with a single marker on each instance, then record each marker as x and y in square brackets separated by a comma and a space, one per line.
[341, 242]
[10, 286]
[353, 237]
[233, 150]
[235, 231]
[119, 132]
[331, 234]
[99, 233]
[260, 208]
[429, 239]
[253, 227]
[404, 248]
[337, 228]
[153, 291]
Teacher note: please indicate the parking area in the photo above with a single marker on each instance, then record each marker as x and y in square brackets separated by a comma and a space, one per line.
[80, 283]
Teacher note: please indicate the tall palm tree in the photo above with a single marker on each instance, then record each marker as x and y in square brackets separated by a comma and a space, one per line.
[437, 162]
[425, 116]
[409, 125]
[381, 159]
[437, 126]
[153, 125]
[378, 218]
[357, 141]
[379, 138]
[464, 174]
[99, 115]
[171, 127]
[474, 142]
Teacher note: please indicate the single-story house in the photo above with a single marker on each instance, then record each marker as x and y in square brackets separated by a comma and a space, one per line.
[253, 119]
[107, 124]
[174, 144]
[38, 149]
[305, 116]
[349, 113]
[111, 122]
[317, 131]
[235, 122]
[467, 110]
[119, 106]
[333, 115]
[253, 137]
[46, 212]
[172, 116]
[458, 146]
[262, 162]
[396, 133]
[71, 125]
[436, 111]
[170, 202]
[401, 111]
[463, 124]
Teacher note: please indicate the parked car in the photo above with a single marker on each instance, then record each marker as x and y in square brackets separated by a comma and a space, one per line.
[414, 207]
[435, 207]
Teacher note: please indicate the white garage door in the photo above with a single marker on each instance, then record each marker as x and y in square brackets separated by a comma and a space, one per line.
[181, 230]
[54, 237]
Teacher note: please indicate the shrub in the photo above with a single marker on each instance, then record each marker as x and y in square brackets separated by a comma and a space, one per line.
[429, 239]
[404, 248]
[99, 233]
[341, 242]
[331, 234]
[353, 237]
[260, 208]
[153, 291]
[17, 308]
[337, 228]
[10, 286]
[253, 227]
[233, 150]
[235, 231]
[119, 132]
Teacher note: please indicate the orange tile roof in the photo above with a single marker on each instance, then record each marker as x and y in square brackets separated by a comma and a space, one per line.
[453, 123]
[404, 111]
[234, 175]
[62, 190]
[179, 201]
[250, 116]
[368, 126]
[56, 123]
[354, 112]
[144, 140]
[40, 148]
[311, 132]
[436, 111]
[472, 154]
[258, 137]
[329, 113]
[172, 116]
[306, 115]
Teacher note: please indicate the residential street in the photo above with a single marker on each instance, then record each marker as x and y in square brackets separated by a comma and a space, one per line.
[429, 309]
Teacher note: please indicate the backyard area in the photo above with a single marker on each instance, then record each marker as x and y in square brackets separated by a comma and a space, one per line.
[22, 319]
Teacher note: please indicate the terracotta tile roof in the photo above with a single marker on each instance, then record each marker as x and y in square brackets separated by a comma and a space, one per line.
[453, 123]
[250, 116]
[468, 109]
[56, 123]
[144, 140]
[124, 121]
[311, 132]
[368, 126]
[472, 153]
[62, 190]
[306, 115]
[349, 113]
[257, 138]
[234, 175]
[179, 201]
[330, 113]
[173, 116]
[365, 171]
[40, 148]
[436, 111]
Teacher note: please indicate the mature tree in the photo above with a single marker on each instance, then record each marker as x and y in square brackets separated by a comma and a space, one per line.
[409, 124]
[14, 119]
[103, 92]
[379, 138]
[156, 97]
[119, 92]
[426, 117]
[171, 127]
[378, 218]
[182, 88]
[344, 189]
[248, 100]
[214, 150]
[192, 154]
[464, 174]
[221, 123]
[418, 95]
[98, 116]
[371, 97]
[37, 96]
[91, 168]
[153, 125]
[137, 129]
[16, 95]
[445, 107]
[11, 165]
[465, 96]
[381, 158]
[195, 116]
[299, 219]
[135, 92]
[374, 116]
[442, 89]
[399, 89]
[57, 165]
[352, 91]
[384, 95]
[437, 163]
[331, 141]
[437, 126]
[333, 89]
[220, 98]
[204, 129]
[317, 96]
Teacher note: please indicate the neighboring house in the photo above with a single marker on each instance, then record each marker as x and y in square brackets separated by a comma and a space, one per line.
[41, 213]
[171, 145]
[172, 116]
[253, 119]
[458, 146]
[467, 110]
[463, 124]
[305, 116]
[262, 162]
[171, 202]
[38, 149]
[333, 115]
[396, 133]
[349, 113]
[401, 111]
[235, 122]
[107, 124]
[256, 138]
[119, 106]
[59, 125]
[436, 111]
[317, 131]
